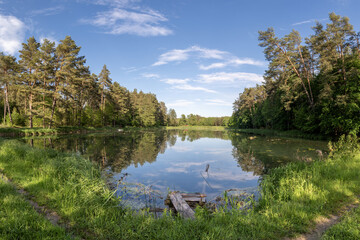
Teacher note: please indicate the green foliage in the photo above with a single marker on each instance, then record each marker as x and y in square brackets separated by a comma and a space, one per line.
[197, 120]
[51, 86]
[312, 86]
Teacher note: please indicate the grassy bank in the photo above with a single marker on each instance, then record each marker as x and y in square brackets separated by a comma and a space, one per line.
[278, 133]
[18, 220]
[348, 228]
[21, 131]
[293, 197]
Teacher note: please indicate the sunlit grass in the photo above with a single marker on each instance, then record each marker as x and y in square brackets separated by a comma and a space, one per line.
[18, 220]
[292, 198]
[347, 229]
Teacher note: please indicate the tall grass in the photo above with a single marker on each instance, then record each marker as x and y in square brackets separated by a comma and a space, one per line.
[292, 197]
[18, 220]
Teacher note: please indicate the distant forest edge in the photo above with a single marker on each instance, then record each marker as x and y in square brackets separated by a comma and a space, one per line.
[311, 85]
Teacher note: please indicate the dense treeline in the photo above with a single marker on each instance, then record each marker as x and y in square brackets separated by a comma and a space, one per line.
[51, 86]
[197, 120]
[310, 85]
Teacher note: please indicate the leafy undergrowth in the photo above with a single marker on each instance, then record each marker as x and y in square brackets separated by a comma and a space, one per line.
[292, 197]
[18, 220]
[347, 229]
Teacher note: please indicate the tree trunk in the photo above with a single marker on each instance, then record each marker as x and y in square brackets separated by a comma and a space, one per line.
[52, 111]
[30, 109]
[44, 104]
[53, 105]
[7, 102]
[4, 122]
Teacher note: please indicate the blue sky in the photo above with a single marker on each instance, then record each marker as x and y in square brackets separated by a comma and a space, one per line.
[195, 55]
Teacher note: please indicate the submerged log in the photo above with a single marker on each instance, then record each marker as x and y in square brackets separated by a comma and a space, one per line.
[181, 206]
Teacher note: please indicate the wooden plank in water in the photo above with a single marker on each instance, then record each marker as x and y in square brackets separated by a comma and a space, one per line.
[193, 199]
[199, 195]
[181, 206]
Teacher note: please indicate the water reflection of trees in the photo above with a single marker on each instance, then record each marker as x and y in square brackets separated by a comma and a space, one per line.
[120, 150]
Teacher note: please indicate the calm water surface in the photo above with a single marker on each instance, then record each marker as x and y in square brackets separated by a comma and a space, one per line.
[145, 165]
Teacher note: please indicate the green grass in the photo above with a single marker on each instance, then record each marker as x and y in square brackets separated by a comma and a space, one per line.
[347, 229]
[293, 197]
[18, 220]
[278, 133]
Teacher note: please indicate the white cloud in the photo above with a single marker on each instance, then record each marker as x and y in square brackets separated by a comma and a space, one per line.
[125, 17]
[230, 77]
[218, 102]
[175, 81]
[182, 84]
[213, 65]
[176, 55]
[120, 3]
[150, 75]
[308, 21]
[180, 103]
[233, 62]
[12, 32]
[48, 11]
[193, 88]
[181, 55]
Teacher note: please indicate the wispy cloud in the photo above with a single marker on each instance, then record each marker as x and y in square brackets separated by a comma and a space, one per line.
[230, 77]
[150, 75]
[183, 84]
[233, 62]
[12, 33]
[180, 55]
[227, 59]
[127, 17]
[175, 80]
[308, 21]
[180, 103]
[193, 88]
[48, 11]
[218, 102]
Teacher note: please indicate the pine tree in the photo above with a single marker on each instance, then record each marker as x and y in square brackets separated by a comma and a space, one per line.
[30, 61]
[8, 73]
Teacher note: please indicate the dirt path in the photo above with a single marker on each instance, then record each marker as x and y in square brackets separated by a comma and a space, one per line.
[47, 213]
[324, 223]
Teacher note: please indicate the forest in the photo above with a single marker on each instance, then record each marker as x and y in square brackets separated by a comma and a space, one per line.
[51, 86]
[311, 84]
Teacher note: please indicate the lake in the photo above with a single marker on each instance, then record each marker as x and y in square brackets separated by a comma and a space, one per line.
[144, 165]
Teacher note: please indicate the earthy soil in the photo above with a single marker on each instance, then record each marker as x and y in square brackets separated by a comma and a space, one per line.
[324, 223]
